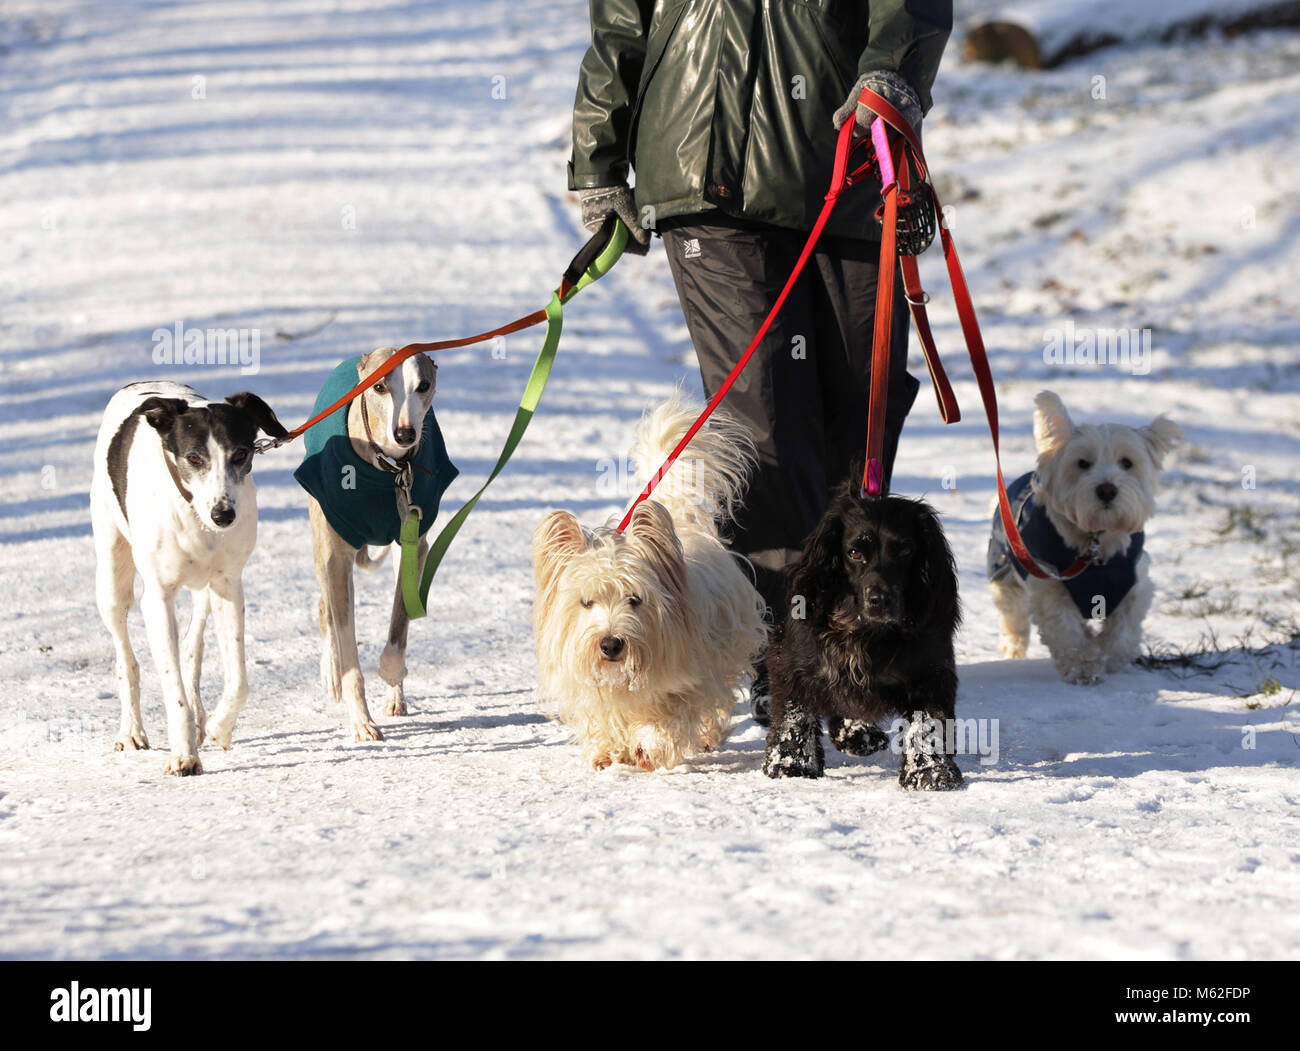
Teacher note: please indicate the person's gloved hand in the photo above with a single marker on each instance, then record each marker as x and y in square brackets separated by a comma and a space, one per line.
[889, 86]
[599, 202]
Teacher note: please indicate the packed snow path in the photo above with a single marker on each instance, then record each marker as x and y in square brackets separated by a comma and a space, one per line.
[363, 173]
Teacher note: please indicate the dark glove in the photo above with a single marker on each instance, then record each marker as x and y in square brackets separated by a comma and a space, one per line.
[600, 202]
[889, 86]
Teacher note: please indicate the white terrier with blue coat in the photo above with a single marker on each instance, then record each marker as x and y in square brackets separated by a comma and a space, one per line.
[1093, 491]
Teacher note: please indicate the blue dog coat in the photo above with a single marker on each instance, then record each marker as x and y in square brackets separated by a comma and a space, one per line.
[358, 498]
[1110, 580]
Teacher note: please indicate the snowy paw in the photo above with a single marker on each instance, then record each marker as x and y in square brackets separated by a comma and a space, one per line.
[778, 763]
[219, 731]
[602, 762]
[643, 759]
[131, 742]
[930, 774]
[1086, 674]
[1119, 661]
[855, 737]
[184, 765]
[1015, 649]
[396, 703]
[366, 731]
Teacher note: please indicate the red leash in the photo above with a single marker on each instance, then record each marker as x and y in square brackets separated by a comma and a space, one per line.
[840, 177]
[907, 154]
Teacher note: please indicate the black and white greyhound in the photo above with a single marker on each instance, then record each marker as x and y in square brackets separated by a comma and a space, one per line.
[172, 497]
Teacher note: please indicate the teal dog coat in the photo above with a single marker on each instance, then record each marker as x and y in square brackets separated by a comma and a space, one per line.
[358, 498]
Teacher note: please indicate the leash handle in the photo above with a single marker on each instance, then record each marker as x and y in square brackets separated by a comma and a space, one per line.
[880, 140]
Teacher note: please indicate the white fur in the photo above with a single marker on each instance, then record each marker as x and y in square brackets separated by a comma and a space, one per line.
[173, 544]
[1082, 650]
[697, 626]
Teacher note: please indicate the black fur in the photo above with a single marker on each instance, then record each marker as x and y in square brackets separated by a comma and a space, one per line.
[259, 412]
[877, 588]
[119, 449]
[184, 429]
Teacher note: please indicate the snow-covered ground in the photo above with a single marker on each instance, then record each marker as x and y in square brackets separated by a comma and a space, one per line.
[351, 164]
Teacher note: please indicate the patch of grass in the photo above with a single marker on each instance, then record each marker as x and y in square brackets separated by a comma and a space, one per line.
[1279, 649]
[1245, 520]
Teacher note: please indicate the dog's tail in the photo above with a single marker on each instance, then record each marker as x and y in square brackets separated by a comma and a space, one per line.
[708, 480]
[368, 562]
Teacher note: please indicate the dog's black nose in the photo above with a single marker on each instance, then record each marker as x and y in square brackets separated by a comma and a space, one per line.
[612, 647]
[223, 514]
[1106, 492]
[876, 599]
[404, 435]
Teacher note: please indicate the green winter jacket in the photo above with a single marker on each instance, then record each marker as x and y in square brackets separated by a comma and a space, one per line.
[727, 104]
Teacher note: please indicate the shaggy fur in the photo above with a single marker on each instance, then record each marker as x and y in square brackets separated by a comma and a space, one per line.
[642, 636]
[873, 610]
[1091, 478]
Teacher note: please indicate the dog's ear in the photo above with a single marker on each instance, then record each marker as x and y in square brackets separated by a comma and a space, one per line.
[651, 532]
[428, 369]
[162, 412]
[1052, 424]
[259, 412]
[818, 577]
[931, 597]
[556, 537]
[1162, 435]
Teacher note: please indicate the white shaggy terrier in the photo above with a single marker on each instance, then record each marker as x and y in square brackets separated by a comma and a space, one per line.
[643, 635]
[1094, 490]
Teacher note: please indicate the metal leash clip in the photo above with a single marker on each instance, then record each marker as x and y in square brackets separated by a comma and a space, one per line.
[403, 480]
[1094, 548]
[265, 445]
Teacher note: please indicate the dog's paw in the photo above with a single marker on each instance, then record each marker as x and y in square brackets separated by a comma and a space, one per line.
[1086, 673]
[1014, 649]
[396, 703]
[1116, 662]
[854, 737]
[131, 742]
[219, 731]
[791, 764]
[602, 762]
[184, 765]
[937, 773]
[366, 731]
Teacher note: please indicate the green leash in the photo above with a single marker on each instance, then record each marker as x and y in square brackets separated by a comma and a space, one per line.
[606, 247]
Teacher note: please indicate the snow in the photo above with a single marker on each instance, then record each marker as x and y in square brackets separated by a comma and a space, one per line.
[348, 165]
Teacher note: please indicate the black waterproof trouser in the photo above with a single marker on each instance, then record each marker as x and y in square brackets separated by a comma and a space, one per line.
[804, 393]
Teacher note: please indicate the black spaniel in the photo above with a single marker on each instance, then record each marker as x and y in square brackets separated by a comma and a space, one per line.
[872, 613]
